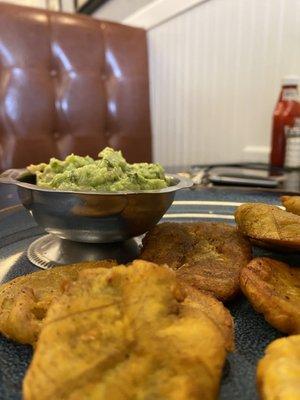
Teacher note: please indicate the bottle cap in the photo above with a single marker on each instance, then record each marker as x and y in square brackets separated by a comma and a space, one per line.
[290, 80]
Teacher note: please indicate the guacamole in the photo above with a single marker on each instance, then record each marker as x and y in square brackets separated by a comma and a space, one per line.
[110, 172]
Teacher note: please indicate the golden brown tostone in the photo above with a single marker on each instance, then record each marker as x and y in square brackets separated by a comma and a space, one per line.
[24, 301]
[269, 226]
[278, 372]
[273, 289]
[207, 256]
[291, 203]
[126, 333]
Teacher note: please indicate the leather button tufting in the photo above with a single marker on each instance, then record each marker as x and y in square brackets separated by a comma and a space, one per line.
[89, 85]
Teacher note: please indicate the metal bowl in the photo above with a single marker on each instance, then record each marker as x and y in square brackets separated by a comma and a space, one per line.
[94, 217]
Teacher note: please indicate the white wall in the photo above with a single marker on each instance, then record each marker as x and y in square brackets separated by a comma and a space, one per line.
[117, 10]
[67, 5]
[215, 74]
[29, 3]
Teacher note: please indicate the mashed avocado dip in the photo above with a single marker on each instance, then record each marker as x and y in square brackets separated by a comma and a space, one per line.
[110, 173]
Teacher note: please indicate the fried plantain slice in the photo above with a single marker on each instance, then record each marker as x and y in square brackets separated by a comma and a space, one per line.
[207, 256]
[278, 372]
[25, 300]
[214, 309]
[291, 204]
[273, 289]
[269, 226]
[125, 334]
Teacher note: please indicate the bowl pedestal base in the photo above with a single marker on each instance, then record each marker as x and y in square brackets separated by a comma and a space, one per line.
[50, 250]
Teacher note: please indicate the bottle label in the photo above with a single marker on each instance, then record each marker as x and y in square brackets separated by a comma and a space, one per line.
[292, 149]
[292, 153]
[290, 94]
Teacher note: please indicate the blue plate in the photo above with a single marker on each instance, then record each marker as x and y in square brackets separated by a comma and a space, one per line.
[253, 333]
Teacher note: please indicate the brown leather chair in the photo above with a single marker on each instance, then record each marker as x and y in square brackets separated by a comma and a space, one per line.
[70, 83]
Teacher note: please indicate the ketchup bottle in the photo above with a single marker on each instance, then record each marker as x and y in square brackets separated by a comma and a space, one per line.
[286, 113]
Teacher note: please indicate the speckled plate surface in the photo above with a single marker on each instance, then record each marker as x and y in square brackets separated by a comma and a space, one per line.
[18, 231]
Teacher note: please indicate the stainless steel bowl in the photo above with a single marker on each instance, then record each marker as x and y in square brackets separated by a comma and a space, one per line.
[94, 217]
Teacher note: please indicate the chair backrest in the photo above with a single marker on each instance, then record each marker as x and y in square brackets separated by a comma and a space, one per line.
[70, 83]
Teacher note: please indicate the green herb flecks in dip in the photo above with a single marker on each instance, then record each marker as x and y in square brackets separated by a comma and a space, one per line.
[110, 173]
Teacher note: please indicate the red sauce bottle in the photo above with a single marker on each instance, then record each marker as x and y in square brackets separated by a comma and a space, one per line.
[286, 112]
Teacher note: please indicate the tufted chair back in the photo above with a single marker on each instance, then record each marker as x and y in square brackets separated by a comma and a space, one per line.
[70, 83]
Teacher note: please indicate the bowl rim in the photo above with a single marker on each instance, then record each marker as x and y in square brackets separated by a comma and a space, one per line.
[14, 176]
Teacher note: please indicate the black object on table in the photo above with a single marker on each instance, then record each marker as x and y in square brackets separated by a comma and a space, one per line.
[253, 333]
[248, 175]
